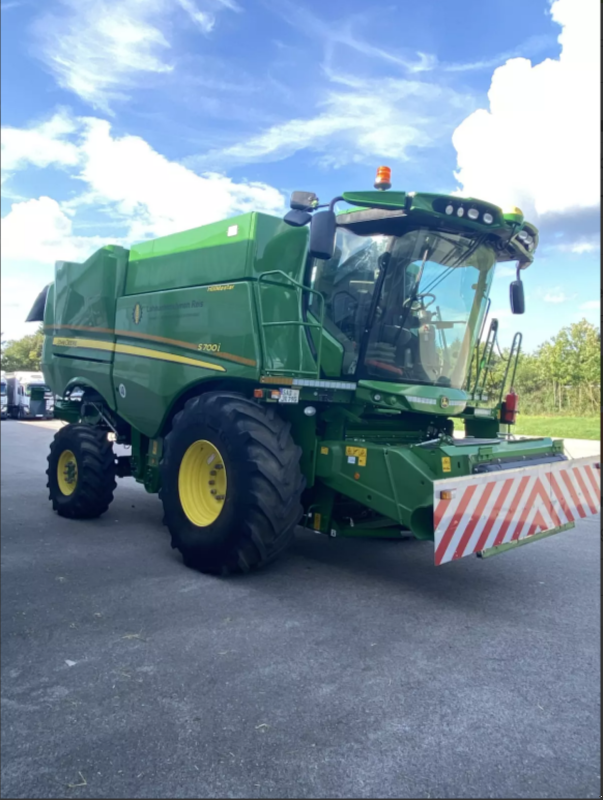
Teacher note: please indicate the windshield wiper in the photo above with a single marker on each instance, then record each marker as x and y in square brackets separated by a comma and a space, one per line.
[463, 257]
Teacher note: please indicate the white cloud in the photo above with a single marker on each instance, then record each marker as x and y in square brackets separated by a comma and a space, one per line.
[591, 305]
[334, 33]
[123, 178]
[42, 145]
[99, 49]
[157, 196]
[205, 19]
[580, 246]
[40, 231]
[557, 296]
[536, 144]
[360, 120]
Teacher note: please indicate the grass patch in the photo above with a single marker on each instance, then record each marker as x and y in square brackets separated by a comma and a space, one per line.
[557, 427]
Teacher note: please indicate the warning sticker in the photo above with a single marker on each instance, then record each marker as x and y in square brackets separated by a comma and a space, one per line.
[446, 465]
[324, 451]
[358, 453]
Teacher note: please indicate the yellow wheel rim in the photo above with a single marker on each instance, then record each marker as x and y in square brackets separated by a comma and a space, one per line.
[202, 483]
[67, 472]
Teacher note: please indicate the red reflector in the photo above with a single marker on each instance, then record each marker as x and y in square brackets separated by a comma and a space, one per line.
[258, 392]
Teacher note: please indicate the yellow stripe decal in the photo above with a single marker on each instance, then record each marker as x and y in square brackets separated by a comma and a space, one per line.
[130, 350]
[149, 337]
[92, 344]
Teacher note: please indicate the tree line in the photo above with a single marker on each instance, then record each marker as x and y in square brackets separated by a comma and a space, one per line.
[563, 376]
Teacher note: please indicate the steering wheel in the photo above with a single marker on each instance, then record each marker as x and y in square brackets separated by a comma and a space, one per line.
[421, 298]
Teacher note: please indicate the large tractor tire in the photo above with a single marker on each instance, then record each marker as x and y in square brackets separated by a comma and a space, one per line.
[81, 472]
[230, 484]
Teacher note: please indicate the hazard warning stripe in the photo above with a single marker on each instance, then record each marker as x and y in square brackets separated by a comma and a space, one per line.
[486, 510]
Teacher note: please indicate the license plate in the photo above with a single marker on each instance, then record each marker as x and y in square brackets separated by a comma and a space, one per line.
[289, 396]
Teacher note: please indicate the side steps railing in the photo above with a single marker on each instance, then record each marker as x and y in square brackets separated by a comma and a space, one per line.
[278, 278]
[484, 362]
[512, 359]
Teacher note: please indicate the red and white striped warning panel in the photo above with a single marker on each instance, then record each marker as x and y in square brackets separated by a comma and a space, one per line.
[476, 512]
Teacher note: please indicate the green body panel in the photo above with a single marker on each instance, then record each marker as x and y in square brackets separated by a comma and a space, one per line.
[397, 481]
[174, 323]
[82, 304]
[332, 351]
[425, 399]
[234, 249]
[85, 293]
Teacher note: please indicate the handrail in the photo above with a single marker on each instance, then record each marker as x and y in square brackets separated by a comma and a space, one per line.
[484, 362]
[269, 278]
[475, 354]
[517, 340]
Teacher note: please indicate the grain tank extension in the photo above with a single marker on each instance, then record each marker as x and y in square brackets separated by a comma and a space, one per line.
[272, 372]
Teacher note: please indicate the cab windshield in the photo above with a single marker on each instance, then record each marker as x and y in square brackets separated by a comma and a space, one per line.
[406, 308]
[2, 388]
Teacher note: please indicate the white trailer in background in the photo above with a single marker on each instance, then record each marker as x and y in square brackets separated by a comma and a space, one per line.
[28, 396]
[4, 398]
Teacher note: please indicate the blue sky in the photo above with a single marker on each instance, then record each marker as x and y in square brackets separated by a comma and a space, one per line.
[131, 119]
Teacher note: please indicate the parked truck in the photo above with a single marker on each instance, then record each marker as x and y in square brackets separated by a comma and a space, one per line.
[29, 396]
[272, 372]
[3, 397]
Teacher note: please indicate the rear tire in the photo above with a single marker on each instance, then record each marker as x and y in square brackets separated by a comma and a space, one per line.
[81, 472]
[248, 516]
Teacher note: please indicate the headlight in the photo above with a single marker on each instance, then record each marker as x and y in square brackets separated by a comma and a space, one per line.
[488, 218]
[460, 212]
[523, 235]
[449, 209]
[473, 213]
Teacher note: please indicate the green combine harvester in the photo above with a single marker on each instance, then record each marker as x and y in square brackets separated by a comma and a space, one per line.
[268, 373]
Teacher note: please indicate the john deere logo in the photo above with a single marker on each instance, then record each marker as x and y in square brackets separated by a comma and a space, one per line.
[137, 313]
[444, 402]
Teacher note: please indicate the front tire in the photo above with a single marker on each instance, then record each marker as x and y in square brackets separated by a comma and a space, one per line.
[81, 472]
[231, 484]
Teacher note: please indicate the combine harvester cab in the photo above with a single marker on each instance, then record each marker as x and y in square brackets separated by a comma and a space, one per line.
[270, 372]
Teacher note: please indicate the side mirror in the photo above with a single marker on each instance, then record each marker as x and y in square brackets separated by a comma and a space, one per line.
[303, 201]
[297, 218]
[322, 235]
[518, 302]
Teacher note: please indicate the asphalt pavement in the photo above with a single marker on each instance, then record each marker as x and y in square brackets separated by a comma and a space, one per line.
[346, 669]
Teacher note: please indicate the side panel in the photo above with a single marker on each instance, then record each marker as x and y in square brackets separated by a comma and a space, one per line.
[278, 246]
[492, 509]
[211, 253]
[79, 321]
[166, 342]
[85, 294]
[233, 249]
